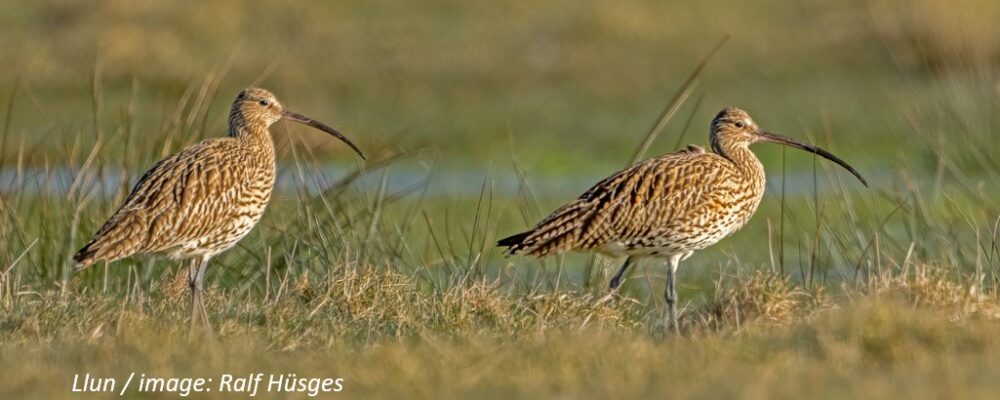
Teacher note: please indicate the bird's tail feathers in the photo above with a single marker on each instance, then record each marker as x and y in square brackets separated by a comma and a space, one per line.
[514, 243]
[85, 257]
[117, 239]
[556, 233]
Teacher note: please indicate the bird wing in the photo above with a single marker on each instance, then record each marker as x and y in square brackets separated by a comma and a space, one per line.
[180, 198]
[632, 205]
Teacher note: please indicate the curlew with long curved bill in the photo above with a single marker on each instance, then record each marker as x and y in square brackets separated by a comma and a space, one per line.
[666, 207]
[202, 200]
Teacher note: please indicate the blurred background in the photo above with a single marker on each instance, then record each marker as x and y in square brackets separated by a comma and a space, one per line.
[561, 91]
[482, 82]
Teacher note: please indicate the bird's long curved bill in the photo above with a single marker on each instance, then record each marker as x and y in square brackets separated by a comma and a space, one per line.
[302, 119]
[787, 141]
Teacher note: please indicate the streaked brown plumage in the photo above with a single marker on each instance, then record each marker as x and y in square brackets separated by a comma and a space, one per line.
[669, 206]
[202, 200]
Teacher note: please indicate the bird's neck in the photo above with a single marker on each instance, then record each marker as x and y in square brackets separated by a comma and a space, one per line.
[251, 133]
[744, 160]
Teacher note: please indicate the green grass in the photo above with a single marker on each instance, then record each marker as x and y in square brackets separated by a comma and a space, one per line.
[831, 290]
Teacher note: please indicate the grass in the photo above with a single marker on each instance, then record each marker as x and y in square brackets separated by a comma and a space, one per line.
[831, 290]
[917, 335]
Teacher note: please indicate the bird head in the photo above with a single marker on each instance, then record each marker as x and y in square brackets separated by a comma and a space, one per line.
[733, 128]
[256, 106]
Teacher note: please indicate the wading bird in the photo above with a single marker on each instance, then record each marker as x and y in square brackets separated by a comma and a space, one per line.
[202, 200]
[666, 207]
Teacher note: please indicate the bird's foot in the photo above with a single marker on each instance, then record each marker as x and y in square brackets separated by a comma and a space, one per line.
[663, 328]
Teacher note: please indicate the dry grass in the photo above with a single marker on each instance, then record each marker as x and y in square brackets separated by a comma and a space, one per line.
[764, 299]
[388, 337]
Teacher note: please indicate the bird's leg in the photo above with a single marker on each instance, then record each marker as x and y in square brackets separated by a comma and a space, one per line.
[617, 279]
[670, 293]
[196, 281]
[200, 289]
[193, 267]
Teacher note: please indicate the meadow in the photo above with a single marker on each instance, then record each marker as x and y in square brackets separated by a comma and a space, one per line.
[479, 119]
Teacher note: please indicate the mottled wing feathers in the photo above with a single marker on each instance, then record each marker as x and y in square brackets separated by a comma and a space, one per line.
[125, 231]
[194, 185]
[629, 207]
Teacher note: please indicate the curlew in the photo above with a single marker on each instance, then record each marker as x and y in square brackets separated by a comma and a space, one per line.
[202, 200]
[666, 207]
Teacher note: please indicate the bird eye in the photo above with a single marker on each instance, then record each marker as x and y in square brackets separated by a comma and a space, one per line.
[264, 103]
[739, 124]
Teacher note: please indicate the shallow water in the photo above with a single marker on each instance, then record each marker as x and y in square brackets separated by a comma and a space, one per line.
[442, 183]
